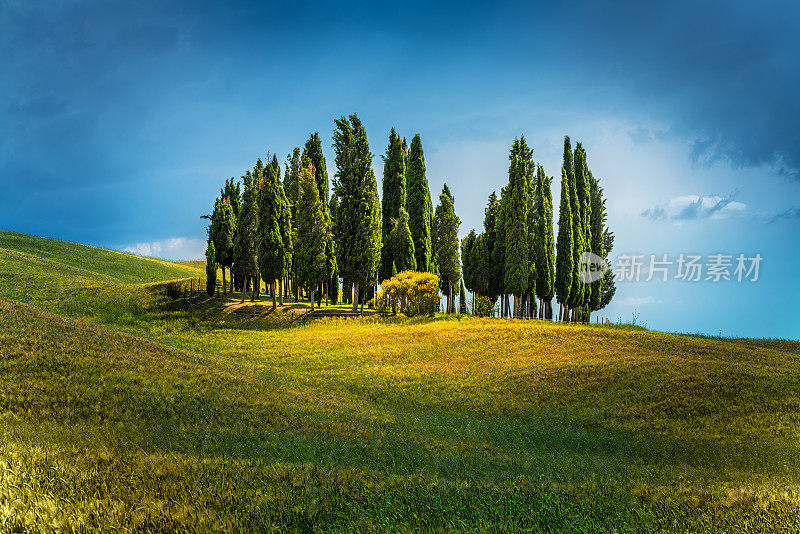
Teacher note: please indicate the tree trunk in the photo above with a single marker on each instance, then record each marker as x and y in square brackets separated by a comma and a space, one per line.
[243, 290]
[223, 279]
[280, 290]
[312, 298]
[256, 287]
[355, 296]
[326, 293]
[272, 290]
[362, 302]
[449, 296]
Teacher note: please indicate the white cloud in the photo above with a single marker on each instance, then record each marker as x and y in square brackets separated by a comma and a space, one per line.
[174, 248]
[692, 207]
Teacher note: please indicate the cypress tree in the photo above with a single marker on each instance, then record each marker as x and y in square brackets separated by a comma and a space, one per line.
[274, 229]
[286, 228]
[223, 232]
[446, 245]
[583, 191]
[597, 221]
[418, 205]
[576, 292]
[489, 235]
[355, 185]
[467, 256]
[311, 230]
[291, 180]
[480, 266]
[211, 268]
[550, 249]
[245, 261]
[529, 301]
[402, 246]
[543, 245]
[516, 276]
[312, 153]
[462, 299]
[394, 196]
[564, 258]
[498, 254]
[232, 191]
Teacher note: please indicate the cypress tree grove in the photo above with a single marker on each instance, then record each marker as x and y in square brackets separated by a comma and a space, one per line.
[564, 257]
[516, 220]
[311, 230]
[245, 261]
[543, 245]
[223, 231]
[211, 268]
[274, 238]
[446, 245]
[418, 205]
[394, 197]
[359, 249]
[312, 153]
[402, 246]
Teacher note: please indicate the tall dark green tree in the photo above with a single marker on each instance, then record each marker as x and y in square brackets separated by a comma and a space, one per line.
[583, 192]
[312, 152]
[445, 247]
[232, 191]
[576, 293]
[291, 180]
[394, 196]
[489, 235]
[355, 185]
[529, 299]
[402, 245]
[462, 299]
[543, 246]
[418, 205]
[311, 229]
[498, 254]
[564, 245]
[517, 264]
[274, 229]
[245, 261]
[211, 268]
[223, 231]
[467, 256]
[480, 266]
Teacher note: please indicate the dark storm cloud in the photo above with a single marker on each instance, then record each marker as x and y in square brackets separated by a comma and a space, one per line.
[725, 74]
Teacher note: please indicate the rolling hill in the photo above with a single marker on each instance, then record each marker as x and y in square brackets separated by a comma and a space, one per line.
[121, 408]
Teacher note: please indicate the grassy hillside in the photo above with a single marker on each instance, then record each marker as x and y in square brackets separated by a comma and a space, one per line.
[98, 263]
[161, 417]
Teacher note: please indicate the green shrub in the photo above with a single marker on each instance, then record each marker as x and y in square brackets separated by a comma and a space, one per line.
[484, 307]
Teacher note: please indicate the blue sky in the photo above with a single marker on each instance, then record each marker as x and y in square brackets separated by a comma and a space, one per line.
[120, 120]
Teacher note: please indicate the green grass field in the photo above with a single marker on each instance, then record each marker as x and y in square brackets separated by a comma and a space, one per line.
[122, 409]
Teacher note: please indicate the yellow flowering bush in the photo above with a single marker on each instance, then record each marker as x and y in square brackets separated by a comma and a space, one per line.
[411, 291]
